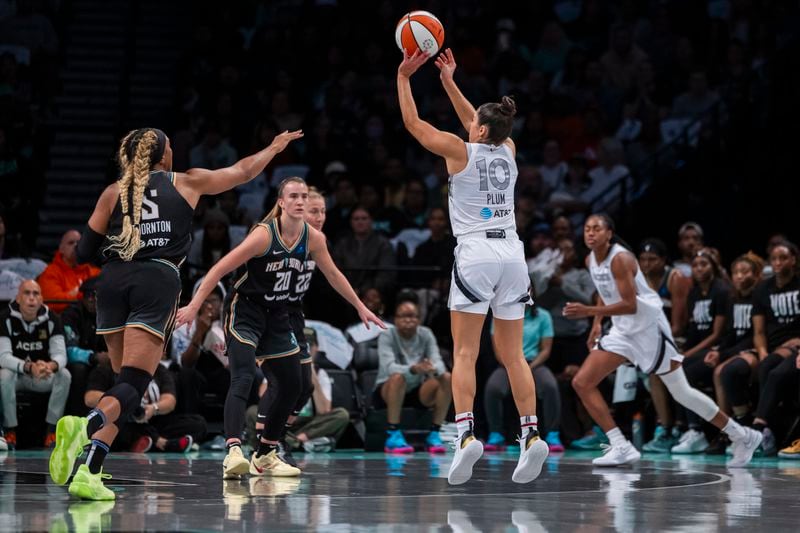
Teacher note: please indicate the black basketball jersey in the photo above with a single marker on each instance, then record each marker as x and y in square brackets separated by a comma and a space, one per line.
[301, 280]
[165, 225]
[275, 277]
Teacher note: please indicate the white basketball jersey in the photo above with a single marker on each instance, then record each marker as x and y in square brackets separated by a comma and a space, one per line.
[482, 195]
[648, 303]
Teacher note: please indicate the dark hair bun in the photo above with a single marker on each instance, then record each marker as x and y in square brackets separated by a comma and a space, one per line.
[507, 106]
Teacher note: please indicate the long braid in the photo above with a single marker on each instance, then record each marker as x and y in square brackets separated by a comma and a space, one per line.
[136, 174]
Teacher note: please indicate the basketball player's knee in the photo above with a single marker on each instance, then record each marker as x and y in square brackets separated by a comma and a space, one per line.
[690, 398]
[241, 385]
[581, 384]
[129, 389]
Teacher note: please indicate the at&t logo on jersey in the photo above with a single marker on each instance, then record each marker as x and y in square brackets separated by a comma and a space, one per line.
[487, 213]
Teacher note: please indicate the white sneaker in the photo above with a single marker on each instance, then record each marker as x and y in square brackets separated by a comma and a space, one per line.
[623, 454]
[459, 522]
[468, 451]
[532, 453]
[743, 449]
[234, 466]
[692, 441]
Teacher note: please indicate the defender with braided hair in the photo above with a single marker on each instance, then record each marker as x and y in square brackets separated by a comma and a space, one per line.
[143, 225]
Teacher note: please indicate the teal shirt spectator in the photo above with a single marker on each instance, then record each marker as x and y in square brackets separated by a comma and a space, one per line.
[534, 329]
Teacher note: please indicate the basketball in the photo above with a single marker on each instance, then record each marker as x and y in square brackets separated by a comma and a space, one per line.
[419, 30]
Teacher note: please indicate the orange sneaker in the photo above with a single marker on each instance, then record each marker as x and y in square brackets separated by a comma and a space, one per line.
[11, 438]
[50, 440]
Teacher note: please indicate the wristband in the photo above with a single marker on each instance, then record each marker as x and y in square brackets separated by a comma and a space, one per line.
[155, 407]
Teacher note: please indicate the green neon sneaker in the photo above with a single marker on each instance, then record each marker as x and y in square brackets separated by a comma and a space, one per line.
[70, 440]
[88, 486]
[91, 516]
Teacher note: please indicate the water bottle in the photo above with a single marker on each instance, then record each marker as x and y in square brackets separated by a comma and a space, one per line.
[637, 430]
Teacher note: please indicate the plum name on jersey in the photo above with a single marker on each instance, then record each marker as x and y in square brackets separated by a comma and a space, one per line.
[287, 262]
[496, 198]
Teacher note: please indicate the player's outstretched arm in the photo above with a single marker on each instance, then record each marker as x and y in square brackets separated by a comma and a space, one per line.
[198, 181]
[255, 244]
[623, 268]
[439, 142]
[318, 247]
[446, 64]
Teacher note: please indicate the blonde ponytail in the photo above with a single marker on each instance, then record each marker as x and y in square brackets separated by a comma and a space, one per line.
[135, 175]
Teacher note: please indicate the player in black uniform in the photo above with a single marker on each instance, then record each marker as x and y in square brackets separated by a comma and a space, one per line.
[257, 322]
[143, 221]
[301, 279]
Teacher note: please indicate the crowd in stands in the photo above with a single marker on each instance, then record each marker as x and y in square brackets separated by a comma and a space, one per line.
[29, 62]
[600, 88]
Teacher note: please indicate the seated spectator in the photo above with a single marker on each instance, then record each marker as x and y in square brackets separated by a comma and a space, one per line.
[697, 99]
[411, 373]
[707, 303]
[229, 204]
[154, 425]
[670, 284]
[568, 283]
[608, 172]
[364, 256]
[33, 357]
[415, 204]
[343, 201]
[216, 239]
[365, 341]
[62, 278]
[543, 256]
[199, 351]
[690, 239]
[776, 342]
[437, 251]
[571, 198]
[537, 341]
[213, 152]
[622, 59]
[553, 168]
[319, 426]
[85, 348]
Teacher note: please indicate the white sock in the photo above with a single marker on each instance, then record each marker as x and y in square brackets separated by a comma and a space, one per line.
[528, 424]
[464, 422]
[734, 430]
[615, 437]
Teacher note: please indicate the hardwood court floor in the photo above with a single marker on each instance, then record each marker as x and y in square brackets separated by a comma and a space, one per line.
[352, 491]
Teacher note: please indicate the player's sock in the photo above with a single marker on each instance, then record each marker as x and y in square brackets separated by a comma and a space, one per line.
[264, 448]
[464, 422]
[95, 421]
[615, 437]
[528, 424]
[97, 454]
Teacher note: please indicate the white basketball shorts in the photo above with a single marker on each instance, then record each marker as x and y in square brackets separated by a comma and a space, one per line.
[651, 349]
[490, 272]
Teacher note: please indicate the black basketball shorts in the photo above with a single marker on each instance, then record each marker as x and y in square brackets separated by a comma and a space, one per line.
[266, 329]
[138, 294]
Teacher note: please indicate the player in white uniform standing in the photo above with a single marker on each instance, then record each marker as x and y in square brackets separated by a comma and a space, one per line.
[640, 334]
[489, 269]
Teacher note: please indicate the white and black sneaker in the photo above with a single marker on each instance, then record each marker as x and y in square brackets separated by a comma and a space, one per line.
[532, 453]
[621, 454]
[468, 451]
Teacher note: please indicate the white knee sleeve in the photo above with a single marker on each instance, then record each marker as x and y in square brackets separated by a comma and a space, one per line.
[690, 398]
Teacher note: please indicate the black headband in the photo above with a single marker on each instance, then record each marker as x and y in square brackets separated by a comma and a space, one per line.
[158, 150]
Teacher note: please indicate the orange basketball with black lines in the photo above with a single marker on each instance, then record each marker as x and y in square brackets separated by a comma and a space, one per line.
[419, 30]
